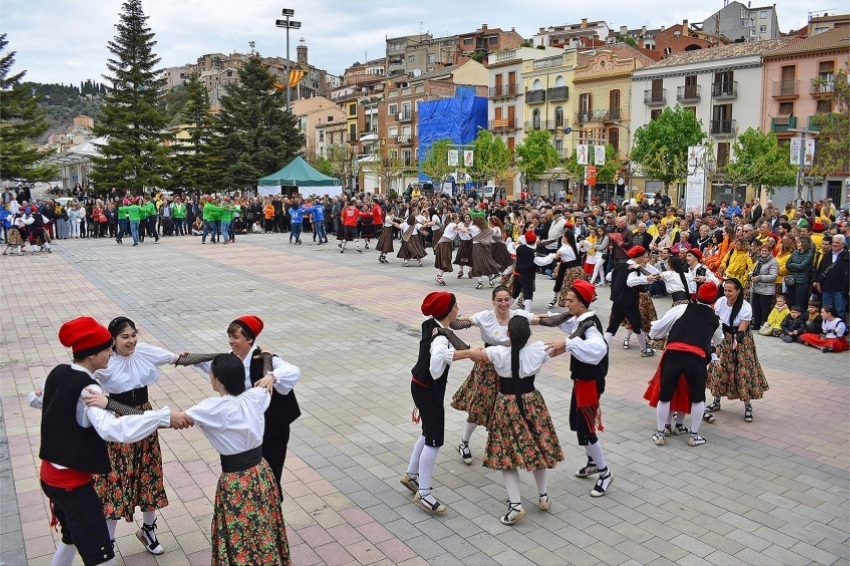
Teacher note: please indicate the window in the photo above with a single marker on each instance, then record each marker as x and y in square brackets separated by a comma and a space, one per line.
[824, 106]
[393, 132]
[393, 154]
[722, 154]
[691, 86]
[535, 119]
[330, 118]
[411, 58]
[432, 58]
[559, 117]
[826, 72]
[352, 109]
[763, 14]
[762, 29]
[405, 108]
[405, 158]
[498, 115]
[788, 84]
[405, 131]
[657, 90]
[786, 109]
[321, 136]
[393, 109]
[559, 81]
[467, 41]
[614, 138]
[559, 145]
[537, 85]
[511, 145]
[655, 115]
[585, 103]
[614, 101]
[493, 40]
[352, 131]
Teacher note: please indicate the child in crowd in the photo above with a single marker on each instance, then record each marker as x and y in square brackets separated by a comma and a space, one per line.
[257, 228]
[773, 325]
[813, 319]
[793, 325]
[833, 332]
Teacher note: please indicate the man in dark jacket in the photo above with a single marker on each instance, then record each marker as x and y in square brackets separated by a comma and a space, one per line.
[832, 277]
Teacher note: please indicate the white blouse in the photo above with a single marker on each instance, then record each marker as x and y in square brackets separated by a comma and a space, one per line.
[388, 220]
[285, 374]
[450, 231]
[724, 311]
[497, 235]
[491, 331]
[566, 253]
[233, 424]
[463, 231]
[531, 359]
[125, 373]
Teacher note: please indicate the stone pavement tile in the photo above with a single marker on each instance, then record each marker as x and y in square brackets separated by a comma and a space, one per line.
[513, 558]
[841, 550]
[636, 551]
[814, 553]
[665, 549]
[784, 556]
[720, 558]
[303, 555]
[333, 554]
[364, 552]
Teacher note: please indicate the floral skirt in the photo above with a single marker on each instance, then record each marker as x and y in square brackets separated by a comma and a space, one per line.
[443, 256]
[571, 275]
[738, 374]
[464, 253]
[502, 256]
[647, 313]
[524, 443]
[15, 238]
[477, 394]
[385, 240]
[247, 524]
[135, 479]
[508, 280]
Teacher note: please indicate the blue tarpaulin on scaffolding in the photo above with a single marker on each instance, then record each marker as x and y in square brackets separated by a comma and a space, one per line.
[457, 119]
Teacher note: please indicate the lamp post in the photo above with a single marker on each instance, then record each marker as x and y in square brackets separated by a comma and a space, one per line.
[288, 24]
[628, 163]
[801, 157]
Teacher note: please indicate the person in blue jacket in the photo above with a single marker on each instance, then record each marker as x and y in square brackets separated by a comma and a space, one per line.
[296, 216]
[318, 212]
[5, 221]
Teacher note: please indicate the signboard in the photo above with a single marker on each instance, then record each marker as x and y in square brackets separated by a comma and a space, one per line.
[590, 175]
[581, 154]
[599, 155]
[695, 188]
[467, 158]
[453, 155]
[808, 151]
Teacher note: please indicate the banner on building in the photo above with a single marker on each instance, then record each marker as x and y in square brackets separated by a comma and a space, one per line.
[453, 155]
[808, 151]
[467, 158]
[581, 154]
[599, 155]
[695, 188]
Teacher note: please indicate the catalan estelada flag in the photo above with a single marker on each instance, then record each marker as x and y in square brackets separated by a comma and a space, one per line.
[295, 75]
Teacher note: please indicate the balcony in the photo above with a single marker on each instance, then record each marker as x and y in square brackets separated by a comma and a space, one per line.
[781, 124]
[559, 93]
[503, 125]
[584, 117]
[612, 115]
[550, 125]
[535, 96]
[724, 91]
[722, 127]
[655, 97]
[814, 126]
[788, 89]
[405, 116]
[501, 91]
[820, 88]
[688, 93]
[404, 140]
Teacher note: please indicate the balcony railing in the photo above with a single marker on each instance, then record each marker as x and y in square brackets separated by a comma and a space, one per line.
[688, 93]
[782, 124]
[821, 87]
[550, 125]
[654, 97]
[724, 90]
[559, 93]
[613, 115]
[787, 88]
[722, 127]
[535, 96]
[814, 126]
[505, 90]
[584, 117]
[405, 116]
[404, 140]
[503, 124]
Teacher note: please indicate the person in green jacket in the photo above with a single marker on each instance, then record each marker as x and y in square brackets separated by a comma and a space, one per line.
[226, 220]
[123, 223]
[179, 211]
[212, 220]
[134, 214]
[151, 213]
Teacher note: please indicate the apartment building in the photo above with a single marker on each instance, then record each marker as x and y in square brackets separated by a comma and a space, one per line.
[311, 113]
[570, 35]
[486, 40]
[737, 22]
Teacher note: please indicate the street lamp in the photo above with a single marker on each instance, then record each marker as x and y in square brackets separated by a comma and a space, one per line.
[288, 24]
[628, 163]
[802, 157]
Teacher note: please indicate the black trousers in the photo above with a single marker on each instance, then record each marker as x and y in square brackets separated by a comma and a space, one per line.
[275, 442]
[762, 304]
[430, 402]
[692, 366]
[524, 284]
[80, 515]
[620, 313]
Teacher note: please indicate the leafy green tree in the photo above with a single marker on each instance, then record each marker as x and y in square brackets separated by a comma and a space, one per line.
[342, 162]
[436, 162]
[21, 122]
[661, 146]
[758, 160]
[255, 135]
[384, 170]
[321, 164]
[536, 155]
[832, 153]
[492, 158]
[134, 156]
[197, 165]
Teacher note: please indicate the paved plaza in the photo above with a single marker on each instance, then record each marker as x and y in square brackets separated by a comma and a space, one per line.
[774, 491]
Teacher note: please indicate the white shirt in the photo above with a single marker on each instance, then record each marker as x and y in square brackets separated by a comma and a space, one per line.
[661, 327]
[463, 231]
[140, 369]
[724, 311]
[388, 220]
[491, 331]
[233, 424]
[636, 278]
[690, 273]
[497, 235]
[592, 349]
[285, 374]
[450, 231]
[566, 253]
[531, 359]
[441, 355]
[556, 231]
[405, 226]
[834, 328]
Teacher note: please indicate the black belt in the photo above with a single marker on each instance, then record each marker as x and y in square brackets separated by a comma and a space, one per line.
[680, 296]
[132, 398]
[571, 264]
[242, 461]
[506, 385]
[729, 329]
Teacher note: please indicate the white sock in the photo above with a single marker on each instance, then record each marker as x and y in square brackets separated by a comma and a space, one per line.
[343, 244]
[680, 417]
[595, 451]
[439, 273]
[608, 337]
[697, 411]
[467, 432]
[357, 244]
[662, 414]
[413, 466]
[111, 525]
[480, 279]
[427, 461]
[629, 334]
[65, 554]
[540, 479]
[511, 478]
[526, 304]
[149, 517]
[642, 341]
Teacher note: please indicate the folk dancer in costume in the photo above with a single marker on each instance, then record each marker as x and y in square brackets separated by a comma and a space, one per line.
[283, 409]
[438, 348]
[645, 303]
[588, 368]
[443, 249]
[626, 283]
[521, 433]
[367, 225]
[411, 243]
[482, 254]
[525, 268]
[501, 255]
[739, 374]
[73, 441]
[692, 331]
[463, 257]
[696, 273]
[349, 216]
[569, 267]
[385, 240]
[676, 281]
[18, 236]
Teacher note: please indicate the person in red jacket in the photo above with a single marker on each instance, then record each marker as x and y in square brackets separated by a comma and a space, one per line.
[378, 218]
[349, 216]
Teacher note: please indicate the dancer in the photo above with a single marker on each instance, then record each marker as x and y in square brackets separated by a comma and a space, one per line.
[443, 249]
[739, 374]
[569, 268]
[482, 255]
[17, 234]
[521, 433]
[411, 243]
[500, 251]
[625, 288]
[349, 216]
[645, 303]
[692, 331]
[696, 273]
[525, 268]
[385, 241]
[588, 368]
[438, 348]
[463, 257]
[367, 224]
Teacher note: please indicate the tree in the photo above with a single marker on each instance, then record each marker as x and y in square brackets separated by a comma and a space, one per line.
[758, 160]
[21, 121]
[255, 135]
[661, 146]
[491, 159]
[321, 164]
[832, 154]
[134, 156]
[342, 162]
[197, 166]
[436, 162]
[384, 170]
[604, 173]
[536, 155]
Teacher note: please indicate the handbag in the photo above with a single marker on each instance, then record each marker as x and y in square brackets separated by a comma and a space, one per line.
[788, 281]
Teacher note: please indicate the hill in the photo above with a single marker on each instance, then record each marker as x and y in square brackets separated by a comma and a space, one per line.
[62, 102]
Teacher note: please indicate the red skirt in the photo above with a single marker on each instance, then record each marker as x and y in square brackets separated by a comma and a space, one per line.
[836, 344]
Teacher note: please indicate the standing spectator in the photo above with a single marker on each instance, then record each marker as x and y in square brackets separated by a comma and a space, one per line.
[278, 214]
[832, 279]
[166, 220]
[763, 285]
[179, 212]
[799, 265]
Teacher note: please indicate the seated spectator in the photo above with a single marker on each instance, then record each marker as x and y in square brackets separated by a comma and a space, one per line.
[198, 227]
[833, 332]
[793, 325]
[257, 228]
[773, 325]
[813, 322]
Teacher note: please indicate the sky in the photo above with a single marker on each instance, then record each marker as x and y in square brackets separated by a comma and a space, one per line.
[65, 41]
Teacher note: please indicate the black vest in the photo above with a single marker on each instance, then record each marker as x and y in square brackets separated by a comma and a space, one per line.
[63, 440]
[621, 293]
[283, 409]
[525, 261]
[588, 372]
[695, 327]
[421, 370]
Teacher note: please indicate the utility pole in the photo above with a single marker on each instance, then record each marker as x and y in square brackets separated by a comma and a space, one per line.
[288, 24]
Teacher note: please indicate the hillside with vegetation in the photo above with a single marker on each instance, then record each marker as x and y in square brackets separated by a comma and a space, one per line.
[62, 103]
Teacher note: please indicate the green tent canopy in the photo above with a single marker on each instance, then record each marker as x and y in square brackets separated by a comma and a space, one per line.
[298, 173]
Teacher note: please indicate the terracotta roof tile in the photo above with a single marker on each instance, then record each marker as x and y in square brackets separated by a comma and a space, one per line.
[724, 52]
[833, 39]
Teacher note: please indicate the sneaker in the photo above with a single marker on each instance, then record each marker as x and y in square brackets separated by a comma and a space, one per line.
[626, 344]
[514, 514]
[602, 484]
[658, 438]
[410, 483]
[680, 429]
[359, 251]
[147, 536]
[696, 440]
[543, 502]
[668, 430]
[434, 506]
[649, 352]
[465, 453]
[479, 286]
[588, 470]
[460, 275]
[553, 302]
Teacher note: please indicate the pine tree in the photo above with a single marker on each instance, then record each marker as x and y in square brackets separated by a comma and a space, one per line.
[255, 135]
[21, 121]
[134, 156]
[197, 168]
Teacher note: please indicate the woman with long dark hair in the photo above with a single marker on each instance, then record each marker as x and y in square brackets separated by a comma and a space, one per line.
[483, 263]
[443, 248]
[569, 268]
[463, 257]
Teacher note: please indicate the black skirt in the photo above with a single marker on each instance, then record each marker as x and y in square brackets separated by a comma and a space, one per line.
[464, 253]
[385, 241]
